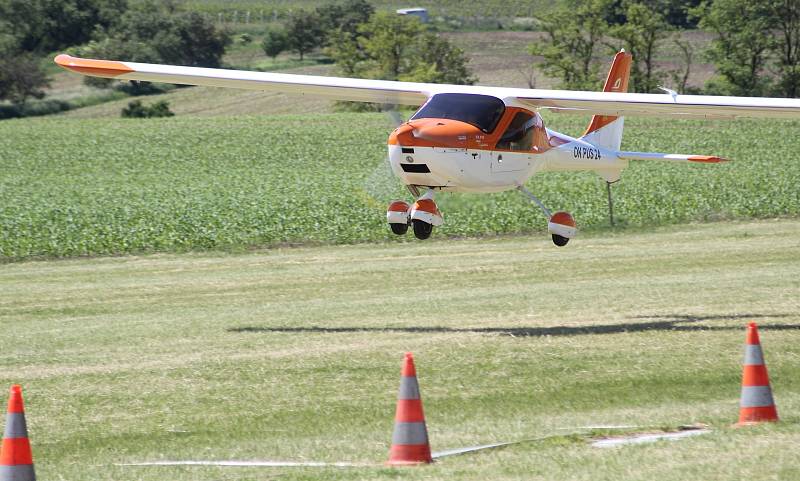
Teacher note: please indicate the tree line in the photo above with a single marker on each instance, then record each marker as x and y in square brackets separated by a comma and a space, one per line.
[368, 44]
[140, 31]
[755, 44]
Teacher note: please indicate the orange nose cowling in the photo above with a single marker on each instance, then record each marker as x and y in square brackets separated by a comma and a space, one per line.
[435, 133]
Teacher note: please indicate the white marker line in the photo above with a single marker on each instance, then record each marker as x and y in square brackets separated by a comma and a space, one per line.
[600, 426]
[453, 452]
[648, 438]
[275, 464]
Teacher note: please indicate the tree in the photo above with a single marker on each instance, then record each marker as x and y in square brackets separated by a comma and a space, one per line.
[645, 27]
[47, 25]
[675, 12]
[786, 17]
[344, 17]
[275, 42]
[574, 32]
[681, 77]
[396, 47]
[386, 40]
[742, 45]
[438, 61]
[150, 33]
[136, 110]
[304, 32]
[21, 77]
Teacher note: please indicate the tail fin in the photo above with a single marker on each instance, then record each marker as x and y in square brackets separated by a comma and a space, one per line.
[606, 130]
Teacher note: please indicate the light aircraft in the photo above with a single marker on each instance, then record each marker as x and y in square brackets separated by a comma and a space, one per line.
[469, 138]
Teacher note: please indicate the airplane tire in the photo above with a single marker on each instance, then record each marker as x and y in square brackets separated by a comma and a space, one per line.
[399, 229]
[422, 230]
[560, 241]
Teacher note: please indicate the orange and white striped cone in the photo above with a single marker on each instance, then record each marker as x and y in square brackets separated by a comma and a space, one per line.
[410, 438]
[16, 461]
[757, 404]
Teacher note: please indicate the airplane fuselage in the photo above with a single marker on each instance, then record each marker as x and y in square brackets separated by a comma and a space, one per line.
[454, 156]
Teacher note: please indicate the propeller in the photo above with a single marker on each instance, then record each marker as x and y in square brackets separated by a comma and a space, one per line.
[381, 186]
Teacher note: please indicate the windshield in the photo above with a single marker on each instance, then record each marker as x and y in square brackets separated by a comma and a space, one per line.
[482, 111]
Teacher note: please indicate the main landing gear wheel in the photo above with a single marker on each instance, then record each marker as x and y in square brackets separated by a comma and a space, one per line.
[561, 225]
[422, 230]
[399, 229]
[560, 241]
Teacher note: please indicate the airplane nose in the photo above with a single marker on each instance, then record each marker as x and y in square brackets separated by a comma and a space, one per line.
[402, 135]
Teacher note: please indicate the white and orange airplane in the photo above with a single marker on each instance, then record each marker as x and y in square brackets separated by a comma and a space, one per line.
[475, 138]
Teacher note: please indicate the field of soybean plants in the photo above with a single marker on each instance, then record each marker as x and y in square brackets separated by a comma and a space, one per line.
[118, 186]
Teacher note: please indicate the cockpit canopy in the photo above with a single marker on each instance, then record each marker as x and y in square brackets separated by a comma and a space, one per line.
[482, 111]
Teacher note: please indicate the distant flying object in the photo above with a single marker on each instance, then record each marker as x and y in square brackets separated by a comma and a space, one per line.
[479, 139]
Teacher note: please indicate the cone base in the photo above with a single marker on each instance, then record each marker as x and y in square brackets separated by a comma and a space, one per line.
[409, 454]
[758, 415]
[21, 472]
[407, 463]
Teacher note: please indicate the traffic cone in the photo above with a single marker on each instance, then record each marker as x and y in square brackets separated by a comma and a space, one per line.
[16, 461]
[410, 438]
[756, 404]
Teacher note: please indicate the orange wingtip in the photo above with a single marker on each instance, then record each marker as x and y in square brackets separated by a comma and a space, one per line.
[95, 68]
[708, 159]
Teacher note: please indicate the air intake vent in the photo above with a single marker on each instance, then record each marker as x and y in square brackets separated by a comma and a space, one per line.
[416, 168]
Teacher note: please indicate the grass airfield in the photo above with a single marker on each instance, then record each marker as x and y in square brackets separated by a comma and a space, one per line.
[295, 354]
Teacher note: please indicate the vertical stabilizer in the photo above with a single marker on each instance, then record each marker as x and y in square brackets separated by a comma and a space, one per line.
[606, 130]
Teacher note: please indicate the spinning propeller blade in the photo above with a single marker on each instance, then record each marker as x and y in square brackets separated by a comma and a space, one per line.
[381, 186]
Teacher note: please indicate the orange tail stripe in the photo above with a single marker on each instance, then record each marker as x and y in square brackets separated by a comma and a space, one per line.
[617, 81]
[15, 451]
[709, 159]
[755, 376]
[98, 68]
[409, 411]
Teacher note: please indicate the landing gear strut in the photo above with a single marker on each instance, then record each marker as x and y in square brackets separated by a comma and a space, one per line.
[422, 216]
[561, 225]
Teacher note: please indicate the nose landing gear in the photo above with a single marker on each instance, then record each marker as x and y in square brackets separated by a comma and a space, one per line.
[561, 224]
[423, 216]
[397, 216]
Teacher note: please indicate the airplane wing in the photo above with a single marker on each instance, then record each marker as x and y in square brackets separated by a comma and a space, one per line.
[412, 93]
[335, 88]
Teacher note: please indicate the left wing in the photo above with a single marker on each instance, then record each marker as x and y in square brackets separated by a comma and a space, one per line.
[336, 88]
[412, 93]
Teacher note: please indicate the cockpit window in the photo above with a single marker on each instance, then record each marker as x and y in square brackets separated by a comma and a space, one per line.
[482, 111]
[519, 134]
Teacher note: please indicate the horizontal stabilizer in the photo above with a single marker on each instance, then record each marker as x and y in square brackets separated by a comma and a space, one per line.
[708, 159]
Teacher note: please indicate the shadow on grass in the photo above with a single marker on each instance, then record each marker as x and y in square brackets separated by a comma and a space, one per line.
[669, 322]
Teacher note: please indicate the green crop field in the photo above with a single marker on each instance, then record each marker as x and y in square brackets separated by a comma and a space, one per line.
[115, 186]
[295, 354]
